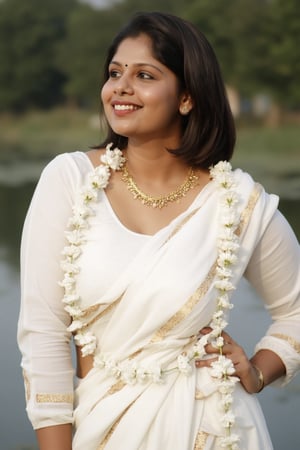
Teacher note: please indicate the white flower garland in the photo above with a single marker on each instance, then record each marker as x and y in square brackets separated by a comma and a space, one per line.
[98, 179]
[228, 245]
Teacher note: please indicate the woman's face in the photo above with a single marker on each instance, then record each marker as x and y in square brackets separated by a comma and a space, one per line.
[141, 97]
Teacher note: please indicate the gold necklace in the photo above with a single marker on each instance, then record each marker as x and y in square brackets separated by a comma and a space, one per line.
[163, 200]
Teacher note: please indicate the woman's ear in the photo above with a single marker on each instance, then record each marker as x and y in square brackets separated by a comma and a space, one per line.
[186, 104]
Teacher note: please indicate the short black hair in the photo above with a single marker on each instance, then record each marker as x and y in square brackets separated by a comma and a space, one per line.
[208, 131]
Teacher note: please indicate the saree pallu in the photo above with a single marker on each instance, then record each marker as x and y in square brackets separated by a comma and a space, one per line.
[153, 313]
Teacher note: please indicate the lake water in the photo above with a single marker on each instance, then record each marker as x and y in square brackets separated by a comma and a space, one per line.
[281, 406]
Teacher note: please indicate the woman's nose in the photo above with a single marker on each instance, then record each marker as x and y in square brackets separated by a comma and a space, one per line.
[123, 86]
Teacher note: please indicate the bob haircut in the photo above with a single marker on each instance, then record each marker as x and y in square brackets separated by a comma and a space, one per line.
[208, 131]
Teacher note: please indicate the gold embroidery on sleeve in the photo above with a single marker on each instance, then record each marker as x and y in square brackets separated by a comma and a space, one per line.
[201, 439]
[27, 386]
[54, 398]
[293, 343]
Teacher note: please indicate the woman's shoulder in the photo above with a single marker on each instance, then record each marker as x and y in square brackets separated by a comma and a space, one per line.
[67, 170]
[254, 195]
[70, 161]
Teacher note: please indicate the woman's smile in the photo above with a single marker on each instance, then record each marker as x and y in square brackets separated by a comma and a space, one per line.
[121, 108]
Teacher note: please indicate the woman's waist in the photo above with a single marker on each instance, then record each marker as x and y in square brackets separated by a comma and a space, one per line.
[151, 363]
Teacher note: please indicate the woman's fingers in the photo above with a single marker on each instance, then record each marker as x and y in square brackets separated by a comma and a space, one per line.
[244, 370]
[204, 362]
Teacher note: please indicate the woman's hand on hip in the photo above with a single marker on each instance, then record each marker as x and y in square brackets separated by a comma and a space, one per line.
[250, 377]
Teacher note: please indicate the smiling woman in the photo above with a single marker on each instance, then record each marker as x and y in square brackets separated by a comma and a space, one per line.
[147, 236]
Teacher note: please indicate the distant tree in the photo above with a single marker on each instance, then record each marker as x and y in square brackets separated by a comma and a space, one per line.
[29, 33]
[233, 28]
[81, 53]
[128, 7]
[257, 43]
[283, 70]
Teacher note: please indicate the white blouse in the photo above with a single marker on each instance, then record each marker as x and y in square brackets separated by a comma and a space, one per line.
[274, 271]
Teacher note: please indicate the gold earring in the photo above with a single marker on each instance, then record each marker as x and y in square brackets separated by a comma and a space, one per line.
[184, 110]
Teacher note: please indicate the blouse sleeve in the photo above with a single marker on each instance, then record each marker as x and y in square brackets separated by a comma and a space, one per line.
[42, 329]
[274, 271]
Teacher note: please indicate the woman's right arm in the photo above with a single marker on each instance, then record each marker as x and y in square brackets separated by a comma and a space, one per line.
[42, 329]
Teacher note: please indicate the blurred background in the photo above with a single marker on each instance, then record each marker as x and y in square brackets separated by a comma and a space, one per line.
[51, 56]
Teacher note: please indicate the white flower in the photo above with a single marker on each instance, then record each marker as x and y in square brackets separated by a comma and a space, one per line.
[74, 311]
[219, 341]
[75, 326]
[68, 283]
[142, 374]
[99, 361]
[77, 222]
[69, 267]
[217, 327]
[113, 158]
[198, 350]
[224, 303]
[226, 258]
[75, 237]
[70, 299]
[99, 178]
[230, 441]
[228, 419]
[111, 367]
[71, 251]
[227, 400]
[221, 166]
[81, 210]
[224, 285]
[230, 219]
[222, 367]
[226, 386]
[128, 371]
[88, 349]
[227, 234]
[229, 244]
[183, 364]
[229, 198]
[224, 272]
[87, 341]
[89, 194]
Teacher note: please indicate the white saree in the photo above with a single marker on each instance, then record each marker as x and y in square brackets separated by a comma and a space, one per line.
[151, 314]
[145, 298]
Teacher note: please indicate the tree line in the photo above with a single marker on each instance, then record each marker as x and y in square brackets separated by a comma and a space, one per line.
[51, 52]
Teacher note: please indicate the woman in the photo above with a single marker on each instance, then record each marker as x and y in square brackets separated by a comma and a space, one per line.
[135, 249]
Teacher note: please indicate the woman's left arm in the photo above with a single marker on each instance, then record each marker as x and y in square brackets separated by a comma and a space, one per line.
[274, 271]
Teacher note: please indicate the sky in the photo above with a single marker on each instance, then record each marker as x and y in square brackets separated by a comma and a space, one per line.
[99, 3]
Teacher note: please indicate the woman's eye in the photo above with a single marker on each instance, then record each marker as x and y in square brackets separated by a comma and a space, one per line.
[145, 76]
[114, 73]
